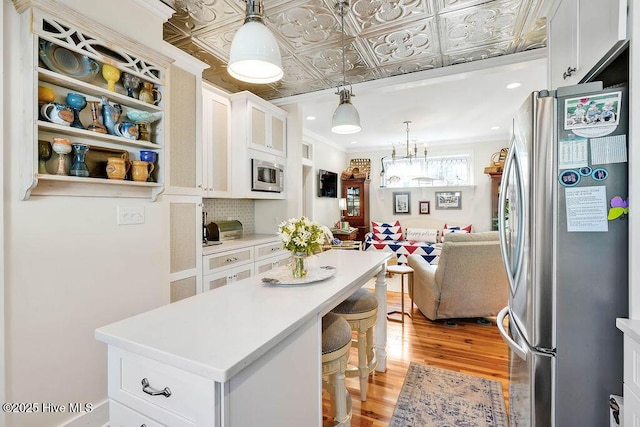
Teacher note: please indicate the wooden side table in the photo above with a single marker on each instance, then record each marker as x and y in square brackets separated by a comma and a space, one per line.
[345, 235]
[354, 245]
[402, 270]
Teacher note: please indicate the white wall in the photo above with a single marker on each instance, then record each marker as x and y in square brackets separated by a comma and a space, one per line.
[69, 268]
[328, 157]
[476, 208]
[634, 161]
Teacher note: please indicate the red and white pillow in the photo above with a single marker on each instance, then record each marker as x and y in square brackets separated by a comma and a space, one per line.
[454, 229]
[386, 231]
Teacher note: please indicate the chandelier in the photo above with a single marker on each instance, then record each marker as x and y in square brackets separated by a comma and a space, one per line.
[409, 154]
[346, 119]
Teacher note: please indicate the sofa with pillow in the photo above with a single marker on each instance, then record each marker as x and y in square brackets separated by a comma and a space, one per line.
[469, 281]
[390, 237]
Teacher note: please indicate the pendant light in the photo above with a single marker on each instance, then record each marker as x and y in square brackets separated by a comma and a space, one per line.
[346, 119]
[255, 55]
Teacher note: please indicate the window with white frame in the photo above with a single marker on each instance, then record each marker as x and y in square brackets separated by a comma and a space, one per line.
[434, 171]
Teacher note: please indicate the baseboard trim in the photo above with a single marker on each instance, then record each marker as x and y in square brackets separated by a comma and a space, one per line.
[98, 417]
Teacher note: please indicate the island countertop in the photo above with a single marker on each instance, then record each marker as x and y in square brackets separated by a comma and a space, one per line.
[217, 333]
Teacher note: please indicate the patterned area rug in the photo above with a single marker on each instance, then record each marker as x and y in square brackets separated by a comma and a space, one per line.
[434, 397]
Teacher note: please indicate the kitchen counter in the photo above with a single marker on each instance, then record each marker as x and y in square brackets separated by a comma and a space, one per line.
[248, 338]
[245, 241]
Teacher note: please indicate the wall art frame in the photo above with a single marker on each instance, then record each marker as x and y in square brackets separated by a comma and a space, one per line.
[402, 203]
[448, 199]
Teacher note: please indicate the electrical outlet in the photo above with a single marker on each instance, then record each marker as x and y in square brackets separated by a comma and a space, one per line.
[130, 215]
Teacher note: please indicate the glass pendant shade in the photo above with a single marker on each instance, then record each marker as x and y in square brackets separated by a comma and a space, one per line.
[346, 119]
[255, 55]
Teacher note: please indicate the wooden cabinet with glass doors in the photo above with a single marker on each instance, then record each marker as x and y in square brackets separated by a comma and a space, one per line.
[356, 191]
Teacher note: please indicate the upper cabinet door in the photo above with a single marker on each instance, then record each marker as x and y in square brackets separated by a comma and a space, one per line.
[216, 139]
[563, 45]
[183, 163]
[583, 36]
[602, 31]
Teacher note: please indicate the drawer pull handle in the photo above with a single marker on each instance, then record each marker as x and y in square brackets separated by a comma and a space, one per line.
[147, 389]
[232, 259]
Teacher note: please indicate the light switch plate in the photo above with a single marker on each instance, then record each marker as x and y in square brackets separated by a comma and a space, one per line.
[130, 215]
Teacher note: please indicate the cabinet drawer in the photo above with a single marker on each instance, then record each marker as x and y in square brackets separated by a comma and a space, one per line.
[272, 262]
[121, 416]
[268, 249]
[191, 400]
[632, 364]
[227, 276]
[216, 262]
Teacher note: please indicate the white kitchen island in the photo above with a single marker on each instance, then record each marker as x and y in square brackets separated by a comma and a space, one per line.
[245, 354]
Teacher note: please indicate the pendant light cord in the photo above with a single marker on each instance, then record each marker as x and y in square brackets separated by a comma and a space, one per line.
[344, 73]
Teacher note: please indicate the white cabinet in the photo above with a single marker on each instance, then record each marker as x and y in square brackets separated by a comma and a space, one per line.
[631, 375]
[259, 132]
[266, 129]
[226, 267]
[146, 391]
[270, 256]
[261, 125]
[216, 132]
[582, 35]
[52, 37]
[185, 243]
[245, 260]
[183, 174]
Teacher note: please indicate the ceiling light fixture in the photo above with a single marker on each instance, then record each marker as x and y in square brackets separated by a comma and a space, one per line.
[408, 155]
[513, 85]
[255, 55]
[346, 119]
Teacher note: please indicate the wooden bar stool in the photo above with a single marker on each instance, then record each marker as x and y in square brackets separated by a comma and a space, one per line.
[336, 342]
[360, 310]
[402, 270]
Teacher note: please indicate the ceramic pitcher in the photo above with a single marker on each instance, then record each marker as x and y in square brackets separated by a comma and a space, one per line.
[148, 94]
[117, 167]
[141, 170]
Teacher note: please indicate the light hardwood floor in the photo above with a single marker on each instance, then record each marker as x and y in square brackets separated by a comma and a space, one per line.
[468, 347]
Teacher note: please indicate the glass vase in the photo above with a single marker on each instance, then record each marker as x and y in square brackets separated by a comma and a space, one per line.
[299, 267]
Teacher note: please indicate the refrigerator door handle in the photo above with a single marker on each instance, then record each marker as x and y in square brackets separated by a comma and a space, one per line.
[502, 200]
[521, 352]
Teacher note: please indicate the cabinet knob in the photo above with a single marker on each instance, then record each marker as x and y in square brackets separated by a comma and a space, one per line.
[568, 73]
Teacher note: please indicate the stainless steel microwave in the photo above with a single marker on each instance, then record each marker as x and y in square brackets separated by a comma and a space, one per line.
[266, 176]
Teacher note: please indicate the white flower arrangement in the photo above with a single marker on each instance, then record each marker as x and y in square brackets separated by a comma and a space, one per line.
[301, 235]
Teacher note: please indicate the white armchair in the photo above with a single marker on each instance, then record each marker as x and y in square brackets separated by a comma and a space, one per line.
[469, 280]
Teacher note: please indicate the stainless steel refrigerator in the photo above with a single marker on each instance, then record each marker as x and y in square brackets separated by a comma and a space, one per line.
[564, 238]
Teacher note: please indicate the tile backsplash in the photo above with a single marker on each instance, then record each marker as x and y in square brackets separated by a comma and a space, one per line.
[225, 209]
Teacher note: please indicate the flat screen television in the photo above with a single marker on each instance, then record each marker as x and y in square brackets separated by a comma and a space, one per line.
[327, 184]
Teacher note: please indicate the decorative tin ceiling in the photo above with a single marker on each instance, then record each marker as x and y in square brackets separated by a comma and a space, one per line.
[383, 38]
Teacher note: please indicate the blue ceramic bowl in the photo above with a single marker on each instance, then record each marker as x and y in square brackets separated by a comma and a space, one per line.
[148, 156]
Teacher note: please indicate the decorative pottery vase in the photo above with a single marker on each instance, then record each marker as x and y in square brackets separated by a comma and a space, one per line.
[62, 146]
[57, 113]
[79, 167]
[148, 94]
[45, 94]
[77, 102]
[299, 267]
[130, 83]
[151, 157]
[111, 74]
[44, 154]
[117, 167]
[141, 170]
[143, 119]
[95, 125]
[110, 114]
[126, 130]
